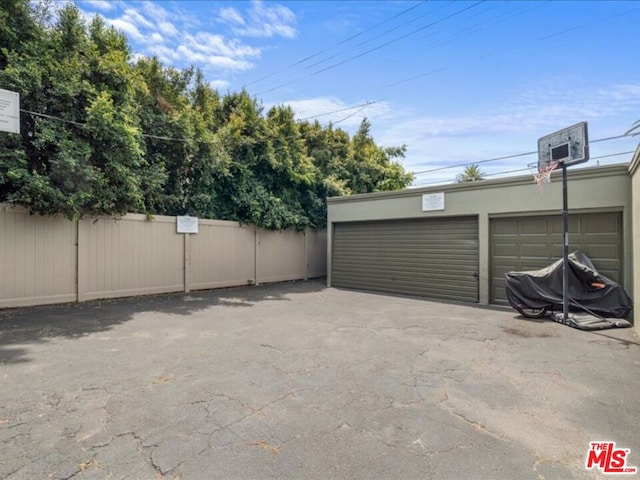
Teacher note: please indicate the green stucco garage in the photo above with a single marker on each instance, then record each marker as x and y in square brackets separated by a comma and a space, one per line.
[455, 242]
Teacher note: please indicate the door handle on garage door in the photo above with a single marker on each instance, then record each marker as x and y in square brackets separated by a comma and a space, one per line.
[475, 275]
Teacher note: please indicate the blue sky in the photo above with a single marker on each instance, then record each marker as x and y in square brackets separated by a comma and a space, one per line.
[456, 82]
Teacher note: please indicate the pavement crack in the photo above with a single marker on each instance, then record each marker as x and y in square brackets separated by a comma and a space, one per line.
[266, 345]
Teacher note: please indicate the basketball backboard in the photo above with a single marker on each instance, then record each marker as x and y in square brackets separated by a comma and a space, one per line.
[569, 146]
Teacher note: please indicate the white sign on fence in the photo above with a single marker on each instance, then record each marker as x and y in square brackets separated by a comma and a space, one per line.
[432, 201]
[9, 111]
[187, 224]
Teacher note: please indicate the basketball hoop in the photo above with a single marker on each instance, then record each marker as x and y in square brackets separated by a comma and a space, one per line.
[542, 174]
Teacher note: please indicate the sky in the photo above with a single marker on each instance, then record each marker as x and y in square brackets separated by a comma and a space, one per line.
[457, 82]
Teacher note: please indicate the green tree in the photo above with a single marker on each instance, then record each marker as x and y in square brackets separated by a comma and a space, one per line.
[202, 153]
[368, 167]
[86, 160]
[471, 173]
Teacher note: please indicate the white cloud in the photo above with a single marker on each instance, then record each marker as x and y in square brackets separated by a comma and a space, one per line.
[127, 27]
[133, 16]
[219, 84]
[155, 37]
[167, 28]
[263, 20]
[156, 32]
[215, 44]
[212, 60]
[231, 15]
[155, 11]
[102, 5]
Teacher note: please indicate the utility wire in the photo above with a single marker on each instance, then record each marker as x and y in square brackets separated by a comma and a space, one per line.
[376, 48]
[474, 163]
[365, 104]
[341, 42]
[352, 37]
[474, 29]
[350, 115]
[505, 172]
[506, 157]
[415, 19]
[78, 124]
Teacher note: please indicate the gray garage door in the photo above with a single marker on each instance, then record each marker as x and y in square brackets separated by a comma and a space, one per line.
[435, 258]
[530, 243]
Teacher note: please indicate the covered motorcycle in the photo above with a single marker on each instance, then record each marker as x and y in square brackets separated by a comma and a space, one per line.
[537, 293]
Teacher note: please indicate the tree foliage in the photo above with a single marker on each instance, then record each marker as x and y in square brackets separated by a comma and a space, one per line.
[115, 135]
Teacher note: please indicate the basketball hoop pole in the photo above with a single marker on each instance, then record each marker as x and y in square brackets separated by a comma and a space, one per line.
[565, 246]
[566, 147]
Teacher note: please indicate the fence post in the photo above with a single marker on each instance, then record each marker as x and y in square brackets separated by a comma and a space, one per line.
[82, 270]
[257, 255]
[187, 262]
[306, 254]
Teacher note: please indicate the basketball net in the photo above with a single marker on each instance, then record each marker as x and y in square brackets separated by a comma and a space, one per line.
[542, 175]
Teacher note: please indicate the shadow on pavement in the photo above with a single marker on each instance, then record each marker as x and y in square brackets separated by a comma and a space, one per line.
[21, 326]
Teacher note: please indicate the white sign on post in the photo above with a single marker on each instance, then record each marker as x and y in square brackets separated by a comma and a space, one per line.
[9, 111]
[432, 201]
[187, 224]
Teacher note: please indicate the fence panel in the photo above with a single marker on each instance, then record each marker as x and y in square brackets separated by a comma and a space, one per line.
[46, 260]
[317, 253]
[129, 256]
[37, 259]
[281, 256]
[222, 254]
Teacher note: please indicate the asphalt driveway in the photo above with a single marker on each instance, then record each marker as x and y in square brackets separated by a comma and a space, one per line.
[299, 381]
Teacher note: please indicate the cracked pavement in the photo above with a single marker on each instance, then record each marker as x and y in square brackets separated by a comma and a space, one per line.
[300, 381]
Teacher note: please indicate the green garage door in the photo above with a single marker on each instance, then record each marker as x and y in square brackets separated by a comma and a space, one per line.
[435, 258]
[531, 243]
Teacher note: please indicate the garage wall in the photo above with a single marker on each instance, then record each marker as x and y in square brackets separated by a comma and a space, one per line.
[634, 170]
[592, 189]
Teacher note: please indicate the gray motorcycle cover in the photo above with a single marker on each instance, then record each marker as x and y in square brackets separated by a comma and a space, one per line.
[588, 290]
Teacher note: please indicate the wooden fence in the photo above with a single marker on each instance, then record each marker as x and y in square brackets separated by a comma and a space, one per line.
[47, 260]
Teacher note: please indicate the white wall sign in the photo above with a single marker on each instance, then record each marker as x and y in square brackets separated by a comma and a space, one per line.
[432, 201]
[9, 111]
[187, 224]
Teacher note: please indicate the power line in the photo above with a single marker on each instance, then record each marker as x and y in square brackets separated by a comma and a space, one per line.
[505, 172]
[474, 28]
[524, 154]
[365, 104]
[376, 48]
[341, 42]
[415, 19]
[350, 115]
[474, 163]
[402, 37]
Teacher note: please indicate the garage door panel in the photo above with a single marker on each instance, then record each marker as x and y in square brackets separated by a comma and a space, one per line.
[436, 258]
[535, 227]
[604, 251]
[538, 242]
[604, 224]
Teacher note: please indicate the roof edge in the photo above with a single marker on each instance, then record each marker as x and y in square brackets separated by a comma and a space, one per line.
[635, 161]
[583, 173]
